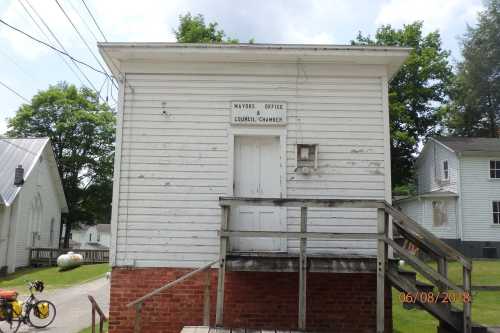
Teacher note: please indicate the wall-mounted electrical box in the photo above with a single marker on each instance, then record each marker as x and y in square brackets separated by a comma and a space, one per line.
[307, 158]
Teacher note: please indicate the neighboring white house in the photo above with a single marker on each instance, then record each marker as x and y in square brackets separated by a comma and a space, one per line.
[458, 193]
[30, 215]
[200, 121]
[91, 237]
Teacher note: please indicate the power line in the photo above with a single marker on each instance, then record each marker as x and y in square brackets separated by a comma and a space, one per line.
[83, 39]
[15, 92]
[54, 48]
[83, 20]
[95, 22]
[48, 39]
[16, 64]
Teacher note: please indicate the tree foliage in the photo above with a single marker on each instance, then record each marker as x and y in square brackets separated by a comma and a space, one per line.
[475, 106]
[82, 134]
[415, 93]
[193, 29]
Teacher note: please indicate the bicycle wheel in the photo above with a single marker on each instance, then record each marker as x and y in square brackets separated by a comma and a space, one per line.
[41, 314]
[12, 327]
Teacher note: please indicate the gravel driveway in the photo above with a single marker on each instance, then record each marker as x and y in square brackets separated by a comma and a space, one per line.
[73, 306]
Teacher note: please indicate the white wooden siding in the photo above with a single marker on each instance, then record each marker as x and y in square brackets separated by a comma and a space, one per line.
[39, 182]
[478, 191]
[174, 158]
[430, 169]
[421, 211]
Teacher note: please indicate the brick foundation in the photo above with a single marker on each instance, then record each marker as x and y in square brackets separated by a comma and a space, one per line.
[335, 302]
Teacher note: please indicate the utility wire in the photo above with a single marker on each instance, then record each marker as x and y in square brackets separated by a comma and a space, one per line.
[15, 92]
[16, 64]
[83, 20]
[95, 22]
[54, 48]
[83, 40]
[60, 44]
[48, 39]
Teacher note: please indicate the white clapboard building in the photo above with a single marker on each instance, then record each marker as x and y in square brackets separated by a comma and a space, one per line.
[458, 193]
[220, 144]
[31, 206]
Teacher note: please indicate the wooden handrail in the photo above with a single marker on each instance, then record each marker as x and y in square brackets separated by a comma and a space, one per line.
[425, 237]
[206, 304]
[171, 284]
[102, 316]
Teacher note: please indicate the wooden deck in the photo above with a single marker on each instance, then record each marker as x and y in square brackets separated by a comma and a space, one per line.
[204, 329]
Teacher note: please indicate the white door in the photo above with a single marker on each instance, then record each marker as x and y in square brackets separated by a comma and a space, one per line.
[257, 170]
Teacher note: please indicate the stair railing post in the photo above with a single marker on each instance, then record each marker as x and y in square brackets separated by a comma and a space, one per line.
[382, 231]
[137, 322]
[303, 271]
[206, 299]
[219, 311]
[467, 298]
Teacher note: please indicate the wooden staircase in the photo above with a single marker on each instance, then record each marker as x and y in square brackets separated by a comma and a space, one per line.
[438, 297]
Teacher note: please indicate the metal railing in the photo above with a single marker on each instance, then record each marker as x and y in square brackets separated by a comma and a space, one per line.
[137, 304]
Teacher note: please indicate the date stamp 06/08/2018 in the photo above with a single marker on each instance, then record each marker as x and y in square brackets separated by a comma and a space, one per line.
[430, 297]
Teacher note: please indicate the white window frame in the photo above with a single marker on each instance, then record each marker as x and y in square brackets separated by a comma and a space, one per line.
[495, 169]
[495, 212]
[446, 170]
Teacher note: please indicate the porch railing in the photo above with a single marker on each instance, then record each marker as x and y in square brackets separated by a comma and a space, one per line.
[41, 256]
[408, 228]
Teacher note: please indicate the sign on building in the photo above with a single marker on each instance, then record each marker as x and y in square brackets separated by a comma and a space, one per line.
[258, 113]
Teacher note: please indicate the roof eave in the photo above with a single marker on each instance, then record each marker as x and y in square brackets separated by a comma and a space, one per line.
[116, 53]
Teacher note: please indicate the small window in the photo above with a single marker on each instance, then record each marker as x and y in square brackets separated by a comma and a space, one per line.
[98, 236]
[496, 212]
[439, 214]
[90, 237]
[494, 169]
[446, 172]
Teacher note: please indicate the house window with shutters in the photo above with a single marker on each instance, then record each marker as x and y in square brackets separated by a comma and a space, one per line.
[494, 169]
[496, 212]
[439, 214]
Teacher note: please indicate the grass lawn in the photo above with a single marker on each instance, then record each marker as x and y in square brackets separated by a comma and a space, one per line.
[484, 272]
[485, 308]
[89, 329]
[52, 277]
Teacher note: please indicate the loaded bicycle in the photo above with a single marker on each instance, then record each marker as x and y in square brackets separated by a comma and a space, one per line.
[32, 312]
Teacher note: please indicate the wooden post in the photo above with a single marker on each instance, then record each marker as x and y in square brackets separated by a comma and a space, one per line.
[206, 299]
[137, 322]
[219, 311]
[442, 267]
[467, 300]
[382, 226]
[93, 318]
[303, 271]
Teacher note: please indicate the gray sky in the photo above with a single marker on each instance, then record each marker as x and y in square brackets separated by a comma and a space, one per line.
[28, 67]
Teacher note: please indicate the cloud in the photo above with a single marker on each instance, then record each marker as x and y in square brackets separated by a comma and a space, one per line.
[442, 14]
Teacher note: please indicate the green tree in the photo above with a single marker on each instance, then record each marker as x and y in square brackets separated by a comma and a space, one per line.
[475, 106]
[193, 29]
[416, 93]
[82, 134]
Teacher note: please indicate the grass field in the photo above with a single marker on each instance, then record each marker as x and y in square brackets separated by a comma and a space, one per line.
[89, 329]
[486, 304]
[52, 277]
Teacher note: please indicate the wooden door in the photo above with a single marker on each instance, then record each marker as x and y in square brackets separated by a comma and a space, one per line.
[257, 170]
